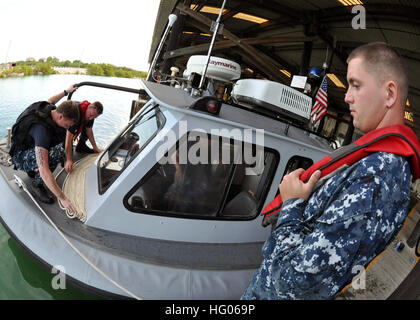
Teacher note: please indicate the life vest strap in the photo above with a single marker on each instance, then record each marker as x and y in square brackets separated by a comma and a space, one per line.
[399, 140]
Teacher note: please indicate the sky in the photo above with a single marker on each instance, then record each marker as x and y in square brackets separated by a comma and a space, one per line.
[94, 31]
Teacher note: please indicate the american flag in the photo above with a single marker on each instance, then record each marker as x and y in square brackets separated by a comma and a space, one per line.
[319, 109]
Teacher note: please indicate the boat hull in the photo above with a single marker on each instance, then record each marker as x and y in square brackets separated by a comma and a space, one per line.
[32, 230]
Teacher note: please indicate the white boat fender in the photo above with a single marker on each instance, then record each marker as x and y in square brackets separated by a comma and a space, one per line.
[22, 185]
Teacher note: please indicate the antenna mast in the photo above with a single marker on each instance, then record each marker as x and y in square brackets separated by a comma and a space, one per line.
[216, 29]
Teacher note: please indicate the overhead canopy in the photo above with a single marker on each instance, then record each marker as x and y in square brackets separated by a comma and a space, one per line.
[275, 39]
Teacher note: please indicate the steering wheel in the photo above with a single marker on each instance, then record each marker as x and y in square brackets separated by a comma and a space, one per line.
[130, 152]
[134, 137]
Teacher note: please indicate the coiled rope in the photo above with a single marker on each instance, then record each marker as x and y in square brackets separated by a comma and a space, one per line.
[22, 185]
[80, 214]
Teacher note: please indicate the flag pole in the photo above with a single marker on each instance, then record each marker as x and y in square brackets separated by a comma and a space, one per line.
[320, 103]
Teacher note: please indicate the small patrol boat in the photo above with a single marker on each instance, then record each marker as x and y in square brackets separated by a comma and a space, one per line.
[171, 207]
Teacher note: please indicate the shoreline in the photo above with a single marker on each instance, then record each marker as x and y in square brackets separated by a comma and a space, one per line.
[54, 66]
[22, 75]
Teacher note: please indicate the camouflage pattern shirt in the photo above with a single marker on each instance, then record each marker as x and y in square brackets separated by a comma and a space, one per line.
[345, 223]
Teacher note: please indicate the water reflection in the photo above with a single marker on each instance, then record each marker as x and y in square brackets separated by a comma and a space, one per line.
[30, 280]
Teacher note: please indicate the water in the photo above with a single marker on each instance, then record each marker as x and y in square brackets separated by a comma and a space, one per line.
[20, 276]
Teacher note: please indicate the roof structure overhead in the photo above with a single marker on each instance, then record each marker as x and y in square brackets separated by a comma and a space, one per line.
[275, 39]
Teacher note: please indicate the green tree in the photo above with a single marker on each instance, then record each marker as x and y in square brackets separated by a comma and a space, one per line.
[26, 69]
[44, 68]
[95, 70]
[79, 64]
[53, 61]
[119, 72]
[109, 70]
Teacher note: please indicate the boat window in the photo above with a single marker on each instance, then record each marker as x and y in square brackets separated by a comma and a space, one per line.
[208, 177]
[294, 163]
[297, 162]
[127, 146]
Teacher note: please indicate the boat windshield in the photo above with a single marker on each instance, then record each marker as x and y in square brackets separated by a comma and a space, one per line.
[206, 177]
[128, 145]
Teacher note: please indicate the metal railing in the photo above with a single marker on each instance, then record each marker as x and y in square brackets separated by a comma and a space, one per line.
[106, 86]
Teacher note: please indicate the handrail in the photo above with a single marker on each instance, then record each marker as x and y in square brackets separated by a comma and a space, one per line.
[106, 86]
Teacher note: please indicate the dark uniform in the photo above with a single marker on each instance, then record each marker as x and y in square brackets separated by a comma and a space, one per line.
[35, 128]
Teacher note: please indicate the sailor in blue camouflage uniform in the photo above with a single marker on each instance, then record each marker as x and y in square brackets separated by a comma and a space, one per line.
[37, 145]
[320, 237]
[25, 160]
[347, 222]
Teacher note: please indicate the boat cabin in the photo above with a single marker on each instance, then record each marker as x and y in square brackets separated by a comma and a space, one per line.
[177, 160]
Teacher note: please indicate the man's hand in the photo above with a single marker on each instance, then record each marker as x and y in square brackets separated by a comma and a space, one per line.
[54, 99]
[68, 166]
[293, 187]
[68, 205]
[49, 180]
[97, 150]
[72, 88]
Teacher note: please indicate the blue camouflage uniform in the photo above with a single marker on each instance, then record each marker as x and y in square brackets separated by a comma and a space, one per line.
[26, 160]
[345, 223]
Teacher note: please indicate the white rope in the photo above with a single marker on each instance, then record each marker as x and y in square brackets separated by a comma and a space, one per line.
[69, 214]
[21, 184]
[82, 217]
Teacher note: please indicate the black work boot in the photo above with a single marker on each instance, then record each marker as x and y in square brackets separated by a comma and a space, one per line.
[31, 174]
[83, 148]
[41, 193]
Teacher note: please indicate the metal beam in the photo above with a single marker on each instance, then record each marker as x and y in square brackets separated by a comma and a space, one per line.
[200, 5]
[289, 12]
[229, 43]
[230, 12]
[331, 42]
[306, 58]
[271, 53]
[269, 25]
[260, 60]
[200, 48]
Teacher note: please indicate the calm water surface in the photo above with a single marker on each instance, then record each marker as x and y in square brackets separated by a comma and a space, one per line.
[20, 276]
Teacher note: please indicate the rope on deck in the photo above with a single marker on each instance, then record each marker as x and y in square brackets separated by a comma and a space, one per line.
[74, 187]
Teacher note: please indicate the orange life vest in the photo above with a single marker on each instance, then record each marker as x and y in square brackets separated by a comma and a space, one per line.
[398, 139]
[83, 107]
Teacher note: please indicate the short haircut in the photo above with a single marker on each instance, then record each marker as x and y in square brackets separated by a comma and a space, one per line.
[69, 110]
[98, 106]
[385, 63]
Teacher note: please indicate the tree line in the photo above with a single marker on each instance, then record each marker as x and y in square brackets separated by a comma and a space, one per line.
[45, 67]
